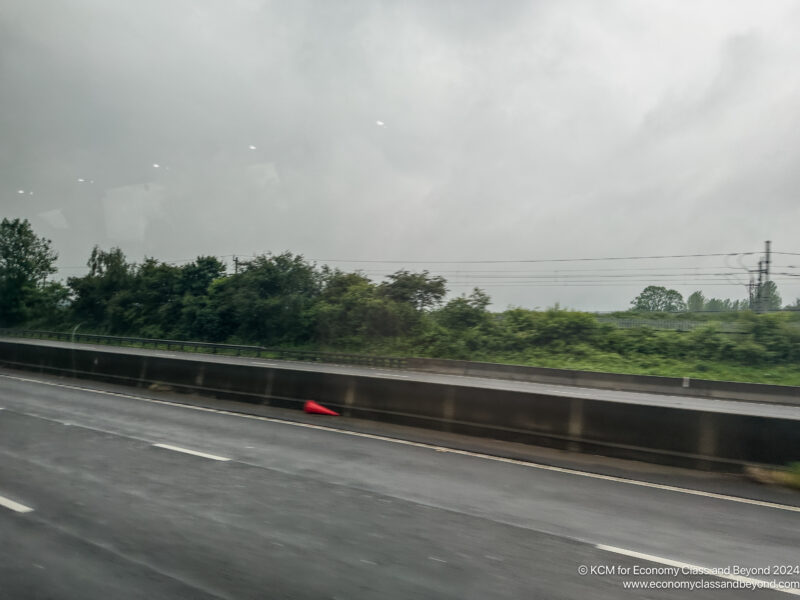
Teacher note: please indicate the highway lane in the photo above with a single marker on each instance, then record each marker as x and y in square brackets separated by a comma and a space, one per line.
[784, 411]
[299, 511]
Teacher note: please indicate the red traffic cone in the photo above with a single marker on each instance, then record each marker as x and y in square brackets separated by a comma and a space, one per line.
[313, 408]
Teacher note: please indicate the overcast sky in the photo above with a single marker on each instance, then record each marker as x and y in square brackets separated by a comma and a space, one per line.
[412, 131]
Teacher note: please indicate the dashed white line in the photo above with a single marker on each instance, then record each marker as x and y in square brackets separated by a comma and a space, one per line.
[689, 568]
[372, 436]
[192, 452]
[15, 506]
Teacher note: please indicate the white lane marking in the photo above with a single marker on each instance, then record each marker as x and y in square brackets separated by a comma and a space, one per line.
[441, 560]
[193, 452]
[15, 506]
[372, 436]
[165, 355]
[698, 569]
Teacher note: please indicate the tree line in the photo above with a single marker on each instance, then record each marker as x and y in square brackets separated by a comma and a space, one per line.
[285, 300]
[660, 299]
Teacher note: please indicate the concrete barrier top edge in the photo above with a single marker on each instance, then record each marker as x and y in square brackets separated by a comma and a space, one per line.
[411, 377]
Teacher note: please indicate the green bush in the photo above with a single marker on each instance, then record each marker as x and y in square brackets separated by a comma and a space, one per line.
[749, 352]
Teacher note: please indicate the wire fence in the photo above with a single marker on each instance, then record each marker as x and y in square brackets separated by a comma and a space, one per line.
[211, 348]
[670, 324]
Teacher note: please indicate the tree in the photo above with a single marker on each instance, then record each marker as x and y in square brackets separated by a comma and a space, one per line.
[269, 302]
[26, 261]
[696, 301]
[109, 275]
[659, 299]
[420, 290]
[726, 305]
[767, 297]
[465, 312]
[352, 310]
[197, 276]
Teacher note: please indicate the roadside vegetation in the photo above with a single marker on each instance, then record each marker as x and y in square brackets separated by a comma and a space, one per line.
[285, 301]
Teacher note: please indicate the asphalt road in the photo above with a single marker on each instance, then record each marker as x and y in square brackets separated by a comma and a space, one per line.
[666, 400]
[99, 498]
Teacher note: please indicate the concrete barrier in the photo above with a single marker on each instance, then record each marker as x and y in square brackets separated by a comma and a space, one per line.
[664, 434]
[679, 386]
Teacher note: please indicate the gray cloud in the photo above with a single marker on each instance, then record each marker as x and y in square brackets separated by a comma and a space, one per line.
[511, 130]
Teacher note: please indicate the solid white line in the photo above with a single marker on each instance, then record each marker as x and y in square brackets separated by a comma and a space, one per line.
[193, 452]
[512, 461]
[15, 506]
[698, 569]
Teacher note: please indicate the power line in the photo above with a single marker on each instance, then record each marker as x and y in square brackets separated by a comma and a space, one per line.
[734, 270]
[578, 284]
[578, 275]
[612, 282]
[532, 260]
[572, 283]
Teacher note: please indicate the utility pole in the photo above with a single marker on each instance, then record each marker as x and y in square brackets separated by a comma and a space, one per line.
[236, 265]
[767, 246]
[758, 300]
[763, 290]
[760, 287]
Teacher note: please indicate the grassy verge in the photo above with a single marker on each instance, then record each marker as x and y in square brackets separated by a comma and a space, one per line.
[585, 358]
[788, 477]
[670, 367]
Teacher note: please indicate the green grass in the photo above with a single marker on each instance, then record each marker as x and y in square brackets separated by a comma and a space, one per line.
[792, 478]
[669, 367]
[586, 358]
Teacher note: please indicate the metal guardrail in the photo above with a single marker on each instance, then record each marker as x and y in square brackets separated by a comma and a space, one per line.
[669, 325]
[211, 348]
